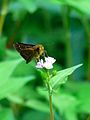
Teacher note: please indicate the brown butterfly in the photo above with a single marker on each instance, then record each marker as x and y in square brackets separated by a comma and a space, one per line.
[30, 51]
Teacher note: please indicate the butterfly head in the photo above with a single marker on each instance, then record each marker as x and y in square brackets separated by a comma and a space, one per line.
[40, 49]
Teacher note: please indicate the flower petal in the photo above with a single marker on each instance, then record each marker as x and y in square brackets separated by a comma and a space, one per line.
[39, 64]
[50, 59]
[48, 64]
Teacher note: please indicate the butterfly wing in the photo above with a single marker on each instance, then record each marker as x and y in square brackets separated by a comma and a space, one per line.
[23, 45]
[25, 50]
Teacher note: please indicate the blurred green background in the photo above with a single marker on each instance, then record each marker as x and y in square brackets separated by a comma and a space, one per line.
[63, 28]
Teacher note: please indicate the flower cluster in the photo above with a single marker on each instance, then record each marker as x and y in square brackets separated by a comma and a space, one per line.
[48, 63]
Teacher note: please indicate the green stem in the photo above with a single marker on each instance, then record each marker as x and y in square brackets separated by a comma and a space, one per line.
[50, 103]
[50, 97]
[66, 25]
[86, 25]
[51, 109]
[3, 14]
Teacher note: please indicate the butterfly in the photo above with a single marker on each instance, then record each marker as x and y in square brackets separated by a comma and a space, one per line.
[30, 51]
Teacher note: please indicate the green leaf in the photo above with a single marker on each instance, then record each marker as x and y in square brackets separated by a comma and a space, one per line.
[6, 70]
[12, 55]
[6, 114]
[37, 105]
[80, 5]
[13, 85]
[83, 6]
[82, 91]
[25, 93]
[23, 69]
[15, 99]
[64, 101]
[9, 83]
[61, 76]
[29, 5]
[71, 115]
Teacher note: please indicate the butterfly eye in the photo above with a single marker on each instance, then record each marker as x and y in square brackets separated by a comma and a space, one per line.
[38, 49]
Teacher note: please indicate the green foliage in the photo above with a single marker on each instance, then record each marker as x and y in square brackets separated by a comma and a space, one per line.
[37, 105]
[6, 114]
[7, 67]
[16, 8]
[79, 6]
[35, 115]
[29, 5]
[8, 83]
[2, 49]
[67, 105]
[21, 84]
[62, 76]
[82, 90]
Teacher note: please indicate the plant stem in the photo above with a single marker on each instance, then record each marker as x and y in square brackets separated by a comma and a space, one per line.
[51, 109]
[66, 25]
[50, 104]
[86, 25]
[50, 97]
[3, 15]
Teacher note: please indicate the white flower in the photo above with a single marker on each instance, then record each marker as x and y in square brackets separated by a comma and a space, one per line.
[50, 59]
[39, 64]
[48, 63]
